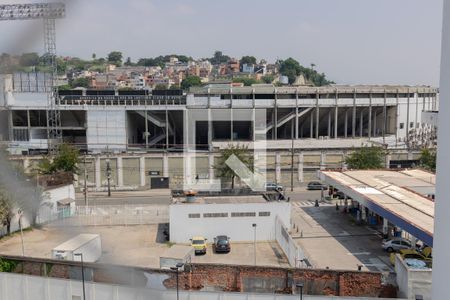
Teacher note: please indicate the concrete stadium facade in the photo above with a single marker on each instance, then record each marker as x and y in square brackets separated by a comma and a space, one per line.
[146, 132]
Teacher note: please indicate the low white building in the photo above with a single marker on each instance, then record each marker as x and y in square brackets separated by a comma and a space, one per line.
[231, 216]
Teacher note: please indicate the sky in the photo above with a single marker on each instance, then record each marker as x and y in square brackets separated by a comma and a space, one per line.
[351, 41]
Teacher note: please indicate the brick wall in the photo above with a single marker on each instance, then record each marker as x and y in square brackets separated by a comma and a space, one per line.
[235, 278]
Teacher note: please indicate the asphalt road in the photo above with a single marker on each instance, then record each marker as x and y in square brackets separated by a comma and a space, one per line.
[159, 197]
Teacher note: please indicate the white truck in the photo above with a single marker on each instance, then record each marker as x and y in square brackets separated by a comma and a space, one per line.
[89, 245]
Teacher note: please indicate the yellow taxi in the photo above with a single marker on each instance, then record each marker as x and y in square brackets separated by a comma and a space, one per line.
[199, 244]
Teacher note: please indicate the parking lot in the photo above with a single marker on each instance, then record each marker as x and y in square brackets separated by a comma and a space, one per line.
[330, 239]
[140, 245]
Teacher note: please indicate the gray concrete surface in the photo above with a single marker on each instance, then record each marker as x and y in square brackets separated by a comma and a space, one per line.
[162, 196]
[330, 239]
[140, 245]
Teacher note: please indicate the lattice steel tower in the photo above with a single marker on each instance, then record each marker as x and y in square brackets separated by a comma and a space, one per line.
[49, 12]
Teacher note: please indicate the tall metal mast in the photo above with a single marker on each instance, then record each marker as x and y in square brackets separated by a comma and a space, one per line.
[49, 12]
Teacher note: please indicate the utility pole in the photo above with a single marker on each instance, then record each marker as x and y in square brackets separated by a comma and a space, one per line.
[85, 183]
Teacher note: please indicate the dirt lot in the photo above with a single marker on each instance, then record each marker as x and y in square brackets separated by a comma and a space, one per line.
[135, 245]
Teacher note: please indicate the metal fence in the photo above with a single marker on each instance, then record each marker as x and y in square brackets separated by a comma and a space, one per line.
[105, 215]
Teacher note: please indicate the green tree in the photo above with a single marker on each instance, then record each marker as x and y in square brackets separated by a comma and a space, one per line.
[219, 58]
[190, 81]
[79, 82]
[115, 57]
[128, 62]
[29, 59]
[161, 86]
[6, 207]
[366, 158]
[268, 78]
[290, 68]
[66, 159]
[428, 159]
[250, 60]
[241, 152]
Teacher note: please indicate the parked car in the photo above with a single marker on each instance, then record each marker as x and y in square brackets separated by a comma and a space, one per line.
[424, 255]
[396, 245]
[315, 185]
[271, 186]
[222, 244]
[199, 244]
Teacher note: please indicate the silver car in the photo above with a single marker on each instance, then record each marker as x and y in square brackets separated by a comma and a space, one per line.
[396, 245]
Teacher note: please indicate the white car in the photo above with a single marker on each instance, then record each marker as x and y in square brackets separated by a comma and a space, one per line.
[396, 245]
[270, 186]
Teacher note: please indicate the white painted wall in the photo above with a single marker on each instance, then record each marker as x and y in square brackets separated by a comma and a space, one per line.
[182, 228]
[441, 242]
[412, 282]
[106, 128]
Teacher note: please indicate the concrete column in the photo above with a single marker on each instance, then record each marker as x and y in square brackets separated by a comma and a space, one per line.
[346, 203]
[375, 123]
[296, 115]
[300, 167]
[317, 114]
[210, 129]
[369, 131]
[165, 165]
[385, 227]
[278, 167]
[363, 213]
[388, 160]
[98, 179]
[354, 115]
[211, 165]
[311, 125]
[119, 171]
[361, 123]
[167, 127]
[384, 117]
[323, 157]
[407, 120]
[346, 123]
[329, 124]
[275, 122]
[336, 122]
[26, 164]
[142, 171]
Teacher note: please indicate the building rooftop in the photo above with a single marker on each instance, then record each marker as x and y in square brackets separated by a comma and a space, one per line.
[76, 242]
[397, 194]
[267, 89]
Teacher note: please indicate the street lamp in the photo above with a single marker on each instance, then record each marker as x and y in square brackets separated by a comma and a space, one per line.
[20, 213]
[254, 242]
[82, 273]
[176, 269]
[300, 287]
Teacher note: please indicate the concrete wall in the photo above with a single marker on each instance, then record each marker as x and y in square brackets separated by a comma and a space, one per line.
[412, 282]
[26, 287]
[183, 227]
[201, 277]
[290, 248]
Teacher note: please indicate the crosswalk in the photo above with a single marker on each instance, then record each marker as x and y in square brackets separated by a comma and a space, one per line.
[309, 203]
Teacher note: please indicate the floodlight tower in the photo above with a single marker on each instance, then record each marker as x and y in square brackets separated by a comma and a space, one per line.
[49, 12]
